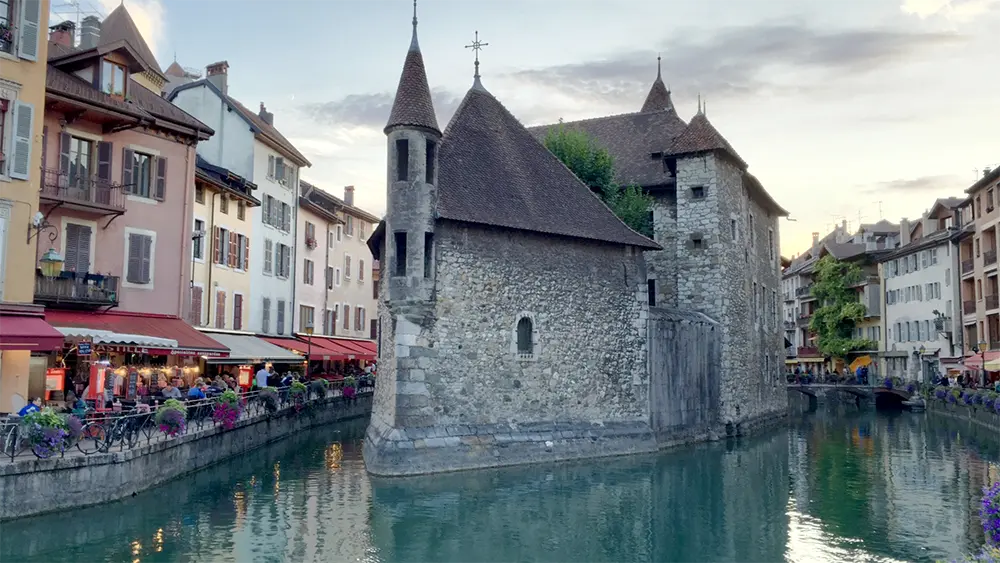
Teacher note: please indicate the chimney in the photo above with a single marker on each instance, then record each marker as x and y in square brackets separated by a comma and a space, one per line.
[349, 195]
[90, 32]
[62, 33]
[265, 115]
[904, 231]
[815, 239]
[218, 75]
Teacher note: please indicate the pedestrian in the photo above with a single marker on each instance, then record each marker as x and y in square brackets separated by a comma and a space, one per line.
[34, 405]
[261, 379]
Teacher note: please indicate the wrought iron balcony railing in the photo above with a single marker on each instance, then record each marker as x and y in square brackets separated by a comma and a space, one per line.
[84, 190]
[82, 289]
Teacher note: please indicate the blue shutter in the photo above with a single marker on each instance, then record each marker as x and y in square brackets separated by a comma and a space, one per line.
[31, 17]
[24, 124]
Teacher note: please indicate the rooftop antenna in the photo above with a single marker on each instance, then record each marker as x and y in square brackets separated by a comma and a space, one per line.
[476, 46]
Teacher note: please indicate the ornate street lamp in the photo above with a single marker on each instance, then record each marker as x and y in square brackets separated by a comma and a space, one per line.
[309, 343]
[51, 263]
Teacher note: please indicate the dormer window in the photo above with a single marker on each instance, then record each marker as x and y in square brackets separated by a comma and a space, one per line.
[113, 78]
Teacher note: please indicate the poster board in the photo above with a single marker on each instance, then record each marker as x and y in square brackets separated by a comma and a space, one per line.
[55, 380]
[133, 383]
[245, 376]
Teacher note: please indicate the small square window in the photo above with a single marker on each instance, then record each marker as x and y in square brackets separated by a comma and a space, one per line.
[698, 192]
[697, 243]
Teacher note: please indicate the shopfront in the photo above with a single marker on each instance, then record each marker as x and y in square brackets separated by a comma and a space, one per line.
[26, 341]
[246, 353]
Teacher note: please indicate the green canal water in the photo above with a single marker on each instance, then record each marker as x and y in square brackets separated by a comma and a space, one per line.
[831, 487]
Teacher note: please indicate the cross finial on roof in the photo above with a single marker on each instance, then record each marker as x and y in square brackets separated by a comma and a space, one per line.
[476, 46]
[414, 45]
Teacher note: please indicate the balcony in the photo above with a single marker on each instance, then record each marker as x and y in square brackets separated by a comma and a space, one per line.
[805, 291]
[990, 257]
[803, 321]
[789, 325]
[87, 290]
[967, 266]
[87, 193]
[808, 351]
[969, 307]
[992, 302]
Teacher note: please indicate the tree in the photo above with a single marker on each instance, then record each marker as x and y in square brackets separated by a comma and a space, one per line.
[594, 166]
[839, 310]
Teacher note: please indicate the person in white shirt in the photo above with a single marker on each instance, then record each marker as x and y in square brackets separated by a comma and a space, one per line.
[261, 379]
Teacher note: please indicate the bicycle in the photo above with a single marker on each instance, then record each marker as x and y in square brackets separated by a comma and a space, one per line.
[12, 442]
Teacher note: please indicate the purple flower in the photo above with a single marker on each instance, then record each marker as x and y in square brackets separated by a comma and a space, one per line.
[951, 398]
[887, 383]
[941, 393]
[990, 513]
[75, 426]
[968, 398]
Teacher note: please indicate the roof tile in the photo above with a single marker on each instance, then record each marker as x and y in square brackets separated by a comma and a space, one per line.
[269, 132]
[412, 106]
[118, 26]
[701, 136]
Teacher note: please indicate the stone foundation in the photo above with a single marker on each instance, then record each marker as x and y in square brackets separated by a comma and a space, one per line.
[980, 416]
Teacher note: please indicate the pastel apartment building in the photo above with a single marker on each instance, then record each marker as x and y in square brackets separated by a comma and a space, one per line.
[337, 293]
[977, 246]
[23, 52]
[249, 146]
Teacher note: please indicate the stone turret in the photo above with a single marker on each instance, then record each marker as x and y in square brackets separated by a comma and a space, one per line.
[413, 139]
[658, 98]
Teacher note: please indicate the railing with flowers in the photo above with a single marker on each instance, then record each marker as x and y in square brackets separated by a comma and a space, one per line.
[47, 434]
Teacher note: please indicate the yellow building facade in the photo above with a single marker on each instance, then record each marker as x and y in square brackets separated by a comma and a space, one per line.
[23, 64]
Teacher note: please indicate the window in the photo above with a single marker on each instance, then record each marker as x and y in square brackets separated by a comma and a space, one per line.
[732, 229]
[359, 314]
[286, 217]
[243, 250]
[347, 266]
[402, 160]
[196, 293]
[282, 260]
[281, 317]
[270, 166]
[198, 246]
[80, 161]
[113, 78]
[400, 267]
[525, 346]
[329, 239]
[364, 229]
[220, 309]
[279, 169]
[431, 153]
[750, 230]
[989, 200]
[329, 277]
[697, 242]
[328, 321]
[268, 256]
[361, 270]
[237, 312]
[770, 243]
[4, 105]
[221, 246]
[698, 192]
[265, 322]
[340, 232]
[347, 317]
[310, 234]
[224, 205]
[651, 292]
[7, 21]
[307, 272]
[349, 225]
[306, 318]
[199, 193]
[428, 254]
[140, 258]
[977, 248]
[144, 175]
[241, 210]
[336, 277]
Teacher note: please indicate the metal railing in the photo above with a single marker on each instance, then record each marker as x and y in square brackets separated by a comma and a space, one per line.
[86, 190]
[803, 291]
[992, 302]
[803, 320]
[104, 432]
[969, 307]
[92, 289]
[967, 266]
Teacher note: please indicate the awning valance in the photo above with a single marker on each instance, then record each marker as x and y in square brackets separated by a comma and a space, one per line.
[348, 348]
[28, 332]
[248, 349]
[188, 341]
[98, 336]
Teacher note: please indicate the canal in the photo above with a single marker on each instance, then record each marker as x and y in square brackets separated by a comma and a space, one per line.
[832, 486]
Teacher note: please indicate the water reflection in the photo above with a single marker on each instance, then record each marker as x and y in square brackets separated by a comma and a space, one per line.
[843, 486]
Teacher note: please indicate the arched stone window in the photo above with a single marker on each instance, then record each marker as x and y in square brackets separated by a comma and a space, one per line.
[524, 337]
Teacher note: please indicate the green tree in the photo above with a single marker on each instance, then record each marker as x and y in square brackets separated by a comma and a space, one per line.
[594, 166]
[839, 310]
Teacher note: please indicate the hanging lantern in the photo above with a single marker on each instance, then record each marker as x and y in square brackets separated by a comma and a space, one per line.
[51, 263]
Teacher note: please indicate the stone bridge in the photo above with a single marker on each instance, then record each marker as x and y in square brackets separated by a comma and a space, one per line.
[859, 391]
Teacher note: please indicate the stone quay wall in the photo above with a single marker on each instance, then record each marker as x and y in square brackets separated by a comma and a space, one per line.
[35, 486]
[979, 415]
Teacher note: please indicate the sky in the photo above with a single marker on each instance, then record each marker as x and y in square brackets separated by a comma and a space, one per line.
[851, 110]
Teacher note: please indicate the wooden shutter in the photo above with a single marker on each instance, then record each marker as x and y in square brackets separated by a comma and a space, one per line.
[147, 257]
[196, 292]
[24, 123]
[134, 267]
[361, 270]
[217, 247]
[105, 150]
[246, 253]
[45, 146]
[128, 159]
[64, 143]
[160, 192]
[357, 318]
[347, 317]
[233, 257]
[72, 247]
[220, 309]
[237, 312]
[31, 17]
[82, 235]
[266, 318]
[286, 261]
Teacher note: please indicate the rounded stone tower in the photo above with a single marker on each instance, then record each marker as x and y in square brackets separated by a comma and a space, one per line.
[412, 145]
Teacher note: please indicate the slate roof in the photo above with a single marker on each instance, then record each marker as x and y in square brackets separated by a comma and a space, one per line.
[700, 136]
[270, 133]
[118, 26]
[316, 195]
[882, 227]
[226, 180]
[987, 178]
[934, 239]
[492, 171]
[412, 106]
[658, 97]
[844, 250]
[631, 138]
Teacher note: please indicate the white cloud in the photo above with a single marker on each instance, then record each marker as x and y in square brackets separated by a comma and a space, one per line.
[960, 11]
[149, 17]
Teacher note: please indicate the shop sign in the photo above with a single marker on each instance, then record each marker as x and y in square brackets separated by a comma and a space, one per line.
[83, 349]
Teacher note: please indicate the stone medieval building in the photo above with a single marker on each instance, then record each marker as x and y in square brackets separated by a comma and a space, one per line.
[514, 315]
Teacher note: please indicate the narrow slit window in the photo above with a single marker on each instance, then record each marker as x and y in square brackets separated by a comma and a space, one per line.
[428, 254]
[524, 330]
[651, 292]
[698, 192]
[431, 155]
[402, 160]
[400, 241]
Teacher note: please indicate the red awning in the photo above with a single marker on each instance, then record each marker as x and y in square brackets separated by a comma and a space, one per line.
[190, 342]
[28, 332]
[350, 349]
[317, 350]
[976, 362]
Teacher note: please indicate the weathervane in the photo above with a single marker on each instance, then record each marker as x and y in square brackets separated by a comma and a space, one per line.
[477, 46]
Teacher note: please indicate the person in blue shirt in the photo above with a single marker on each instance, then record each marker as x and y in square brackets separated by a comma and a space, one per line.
[34, 405]
[197, 390]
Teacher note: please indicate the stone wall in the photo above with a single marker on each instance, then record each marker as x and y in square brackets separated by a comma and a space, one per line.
[662, 264]
[36, 486]
[461, 384]
[978, 415]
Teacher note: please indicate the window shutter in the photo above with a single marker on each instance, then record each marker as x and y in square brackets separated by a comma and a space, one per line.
[128, 158]
[147, 257]
[361, 270]
[357, 318]
[72, 247]
[134, 273]
[265, 325]
[105, 150]
[196, 305]
[217, 249]
[270, 165]
[233, 257]
[161, 179]
[347, 317]
[31, 16]
[220, 309]
[237, 312]
[286, 217]
[24, 123]
[286, 261]
[83, 248]
[64, 142]
[246, 253]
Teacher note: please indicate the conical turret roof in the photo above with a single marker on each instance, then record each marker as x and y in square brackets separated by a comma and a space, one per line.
[658, 97]
[701, 136]
[413, 106]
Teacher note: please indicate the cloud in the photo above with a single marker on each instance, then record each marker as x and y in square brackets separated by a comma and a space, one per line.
[372, 110]
[737, 61]
[919, 185]
[960, 11]
[149, 16]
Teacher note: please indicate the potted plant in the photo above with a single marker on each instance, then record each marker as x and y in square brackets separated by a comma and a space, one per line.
[350, 387]
[297, 392]
[171, 417]
[311, 242]
[47, 432]
[228, 407]
[318, 387]
[270, 399]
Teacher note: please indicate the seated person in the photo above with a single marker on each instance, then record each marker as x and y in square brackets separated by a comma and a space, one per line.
[197, 391]
[34, 405]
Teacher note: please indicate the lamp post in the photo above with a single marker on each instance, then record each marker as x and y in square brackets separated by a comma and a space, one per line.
[309, 343]
[51, 263]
